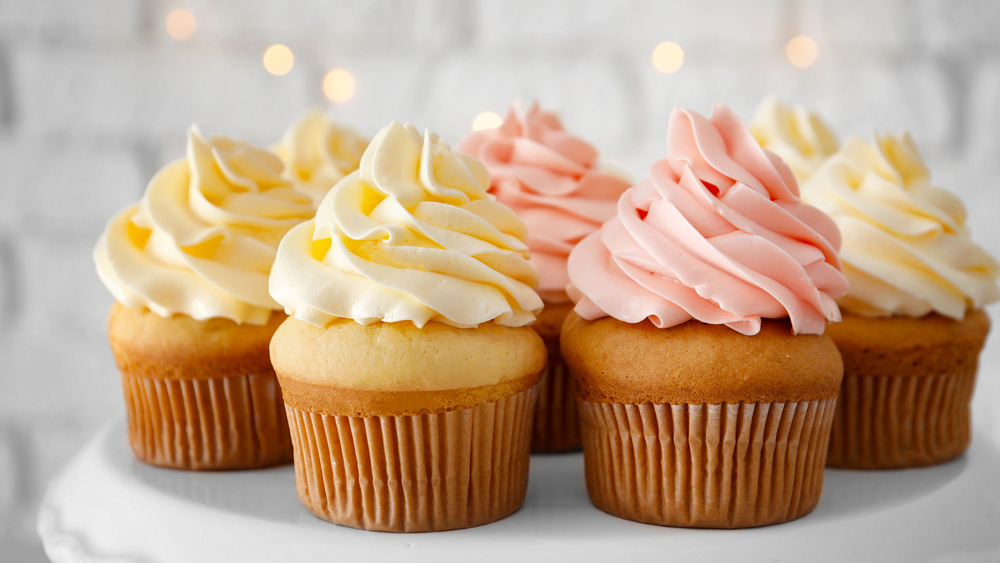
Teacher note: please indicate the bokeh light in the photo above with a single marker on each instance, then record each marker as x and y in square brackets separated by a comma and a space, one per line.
[802, 50]
[339, 85]
[278, 59]
[486, 120]
[668, 57]
[181, 24]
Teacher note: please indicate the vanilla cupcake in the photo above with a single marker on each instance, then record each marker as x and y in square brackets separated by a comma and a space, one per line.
[706, 385]
[188, 266]
[800, 138]
[317, 152]
[913, 318]
[553, 180]
[407, 367]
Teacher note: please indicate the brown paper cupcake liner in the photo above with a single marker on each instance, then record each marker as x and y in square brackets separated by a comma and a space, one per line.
[884, 422]
[415, 473]
[557, 425]
[235, 422]
[709, 466]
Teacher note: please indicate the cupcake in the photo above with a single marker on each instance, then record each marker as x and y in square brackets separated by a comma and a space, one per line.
[913, 317]
[706, 385]
[800, 138]
[552, 180]
[188, 266]
[408, 370]
[317, 152]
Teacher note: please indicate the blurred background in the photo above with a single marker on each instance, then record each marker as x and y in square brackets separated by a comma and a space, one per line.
[96, 96]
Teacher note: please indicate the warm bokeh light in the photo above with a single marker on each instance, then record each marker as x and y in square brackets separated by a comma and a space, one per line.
[668, 57]
[487, 120]
[278, 59]
[339, 85]
[181, 24]
[802, 50]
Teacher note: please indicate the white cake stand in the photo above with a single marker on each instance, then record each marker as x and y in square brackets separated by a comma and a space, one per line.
[108, 507]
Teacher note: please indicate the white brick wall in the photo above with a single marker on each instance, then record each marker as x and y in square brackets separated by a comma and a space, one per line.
[144, 93]
[982, 116]
[912, 97]
[388, 87]
[10, 489]
[72, 188]
[460, 86]
[56, 361]
[527, 24]
[964, 26]
[8, 283]
[885, 28]
[94, 22]
[95, 97]
[8, 154]
[350, 27]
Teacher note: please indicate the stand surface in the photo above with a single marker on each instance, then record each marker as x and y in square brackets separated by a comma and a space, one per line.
[108, 507]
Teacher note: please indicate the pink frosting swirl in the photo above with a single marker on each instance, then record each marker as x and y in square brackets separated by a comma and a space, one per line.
[552, 180]
[716, 233]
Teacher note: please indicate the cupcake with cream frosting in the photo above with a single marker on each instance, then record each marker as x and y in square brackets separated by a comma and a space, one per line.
[555, 183]
[706, 385]
[914, 322]
[318, 152]
[188, 266]
[407, 367]
[799, 137]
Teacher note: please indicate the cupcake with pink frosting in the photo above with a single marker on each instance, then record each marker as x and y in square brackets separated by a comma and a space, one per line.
[706, 385]
[555, 183]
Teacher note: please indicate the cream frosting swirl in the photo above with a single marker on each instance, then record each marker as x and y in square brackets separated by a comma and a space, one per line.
[551, 178]
[906, 247]
[798, 137]
[317, 152]
[412, 235]
[202, 239]
[716, 233]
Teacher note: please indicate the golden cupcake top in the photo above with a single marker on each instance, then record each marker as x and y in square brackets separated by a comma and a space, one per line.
[202, 240]
[385, 358]
[698, 363]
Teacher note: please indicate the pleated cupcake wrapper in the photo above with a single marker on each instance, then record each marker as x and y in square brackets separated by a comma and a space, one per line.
[235, 422]
[415, 473]
[711, 466]
[557, 425]
[886, 422]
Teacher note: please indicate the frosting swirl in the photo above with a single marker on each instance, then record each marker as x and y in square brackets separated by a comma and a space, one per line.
[411, 236]
[552, 180]
[799, 137]
[202, 239]
[716, 233]
[906, 248]
[317, 153]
